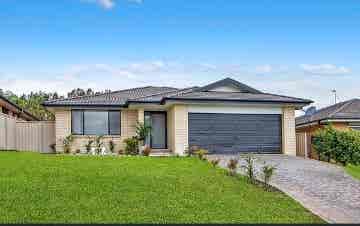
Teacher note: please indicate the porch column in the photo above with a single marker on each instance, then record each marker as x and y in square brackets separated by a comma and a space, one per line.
[288, 131]
[141, 115]
[180, 129]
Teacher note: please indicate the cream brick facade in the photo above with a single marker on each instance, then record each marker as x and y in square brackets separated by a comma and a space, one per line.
[288, 131]
[63, 129]
[180, 129]
[177, 129]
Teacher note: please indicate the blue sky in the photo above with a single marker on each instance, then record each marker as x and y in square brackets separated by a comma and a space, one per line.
[297, 48]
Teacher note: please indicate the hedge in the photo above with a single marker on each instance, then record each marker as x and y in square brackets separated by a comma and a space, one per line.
[341, 146]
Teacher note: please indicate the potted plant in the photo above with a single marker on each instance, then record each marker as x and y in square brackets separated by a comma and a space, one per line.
[142, 131]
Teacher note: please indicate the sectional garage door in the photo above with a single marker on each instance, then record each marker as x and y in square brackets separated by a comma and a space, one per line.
[235, 133]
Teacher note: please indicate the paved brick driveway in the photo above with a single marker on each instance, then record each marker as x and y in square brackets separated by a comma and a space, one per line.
[323, 188]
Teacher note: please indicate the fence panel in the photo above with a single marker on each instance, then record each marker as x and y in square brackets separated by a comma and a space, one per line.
[26, 136]
[301, 144]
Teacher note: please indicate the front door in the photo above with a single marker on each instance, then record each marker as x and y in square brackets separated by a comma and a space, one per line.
[157, 121]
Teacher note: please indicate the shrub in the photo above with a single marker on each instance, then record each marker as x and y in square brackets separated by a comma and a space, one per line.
[67, 143]
[89, 144]
[112, 146]
[131, 146]
[77, 151]
[250, 168]
[201, 153]
[341, 146]
[232, 166]
[215, 162]
[267, 171]
[98, 144]
[53, 147]
[147, 150]
[121, 152]
[190, 151]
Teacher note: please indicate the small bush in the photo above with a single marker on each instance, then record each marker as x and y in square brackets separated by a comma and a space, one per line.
[267, 171]
[67, 143]
[53, 147]
[88, 145]
[340, 146]
[121, 152]
[232, 166]
[99, 144]
[215, 162]
[77, 151]
[201, 153]
[250, 168]
[112, 146]
[147, 150]
[131, 146]
[190, 151]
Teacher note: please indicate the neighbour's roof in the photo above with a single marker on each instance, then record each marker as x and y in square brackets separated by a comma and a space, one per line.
[159, 95]
[22, 112]
[344, 110]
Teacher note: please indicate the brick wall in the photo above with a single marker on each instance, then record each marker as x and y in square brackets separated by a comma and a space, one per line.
[288, 131]
[63, 129]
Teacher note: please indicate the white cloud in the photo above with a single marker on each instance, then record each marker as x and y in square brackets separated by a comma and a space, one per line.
[263, 69]
[106, 4]
[109, 4]
[324, 69]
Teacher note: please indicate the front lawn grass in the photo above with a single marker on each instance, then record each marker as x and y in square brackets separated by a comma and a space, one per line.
[353, 170]
[37, 188]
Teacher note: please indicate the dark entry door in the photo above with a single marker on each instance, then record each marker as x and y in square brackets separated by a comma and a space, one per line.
[157, 121]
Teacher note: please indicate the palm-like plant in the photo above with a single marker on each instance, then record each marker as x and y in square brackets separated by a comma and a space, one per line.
[142, 131]
[250, 168]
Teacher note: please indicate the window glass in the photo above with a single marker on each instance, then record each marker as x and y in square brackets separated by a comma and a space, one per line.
[77, 122]
[96, 123]
[114, 122]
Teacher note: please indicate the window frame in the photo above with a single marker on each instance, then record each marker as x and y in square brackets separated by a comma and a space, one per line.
[83, 122]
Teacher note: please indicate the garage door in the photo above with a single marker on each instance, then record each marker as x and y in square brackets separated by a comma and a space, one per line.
[235, 133]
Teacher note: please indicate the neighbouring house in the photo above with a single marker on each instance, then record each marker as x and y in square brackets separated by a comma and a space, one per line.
[343, 116]
[223, 117]
[11, 109]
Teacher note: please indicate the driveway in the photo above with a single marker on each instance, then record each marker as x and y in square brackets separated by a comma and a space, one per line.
[323, 188]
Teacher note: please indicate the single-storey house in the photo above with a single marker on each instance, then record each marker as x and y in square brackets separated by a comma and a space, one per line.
[343, 116]
[11, 109]
[223, 117]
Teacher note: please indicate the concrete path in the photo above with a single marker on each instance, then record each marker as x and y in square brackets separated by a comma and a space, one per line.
[323, 188]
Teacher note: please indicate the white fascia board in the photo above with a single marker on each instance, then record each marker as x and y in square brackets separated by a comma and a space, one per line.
[307, 124]
[239, 109]
[340, 120]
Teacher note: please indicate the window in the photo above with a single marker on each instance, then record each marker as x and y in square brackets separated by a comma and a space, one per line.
[86, 122]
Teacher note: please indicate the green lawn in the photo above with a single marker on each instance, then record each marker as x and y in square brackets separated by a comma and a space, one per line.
[353, 170]
[37, 188]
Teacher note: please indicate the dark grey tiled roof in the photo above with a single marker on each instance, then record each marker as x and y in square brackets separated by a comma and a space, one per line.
[159, 97]
[151, 94]
[117, 98]
[237, 96]
[344, 110]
